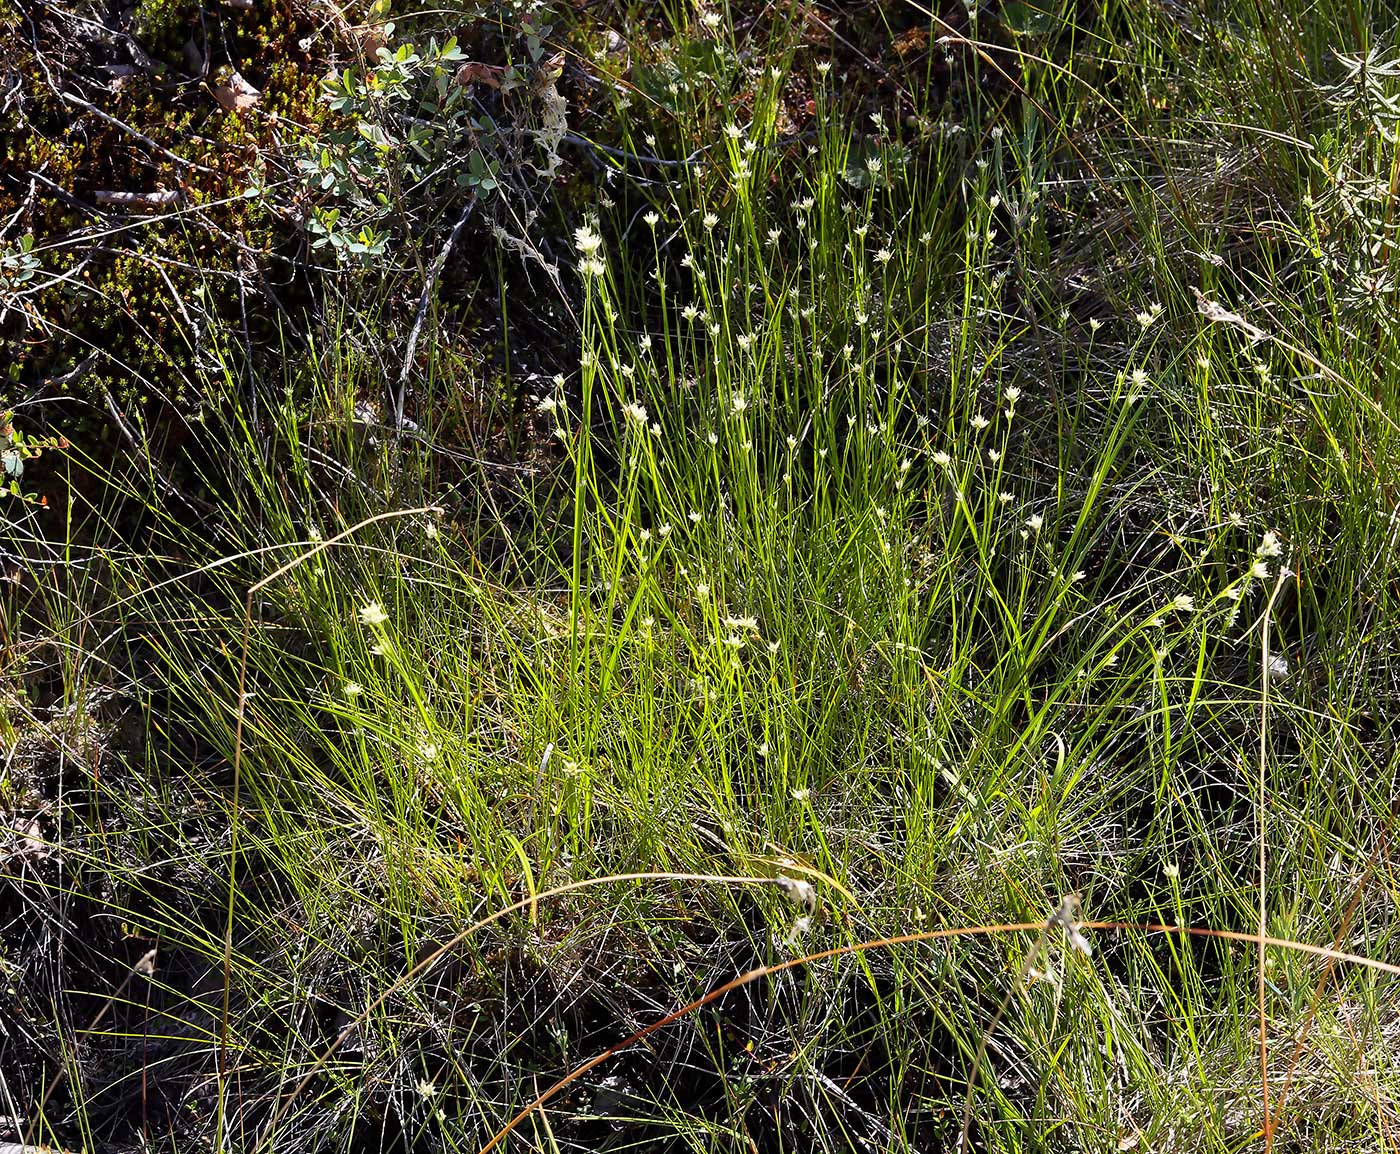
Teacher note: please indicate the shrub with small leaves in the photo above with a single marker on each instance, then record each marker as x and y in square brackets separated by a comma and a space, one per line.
[15, 450]
[420, 131]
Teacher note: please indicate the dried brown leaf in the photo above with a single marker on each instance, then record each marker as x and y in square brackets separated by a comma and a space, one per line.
[237, 95]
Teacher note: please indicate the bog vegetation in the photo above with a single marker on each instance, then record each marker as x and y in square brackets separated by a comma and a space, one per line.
[542, 533]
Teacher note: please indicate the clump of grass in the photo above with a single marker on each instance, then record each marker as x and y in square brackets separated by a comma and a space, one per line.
[879, 549]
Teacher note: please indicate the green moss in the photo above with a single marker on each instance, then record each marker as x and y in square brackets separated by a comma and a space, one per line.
[148, 291]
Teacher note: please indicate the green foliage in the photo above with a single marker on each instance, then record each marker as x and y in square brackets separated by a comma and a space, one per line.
[411, 139]
[680, 73]
[155, 21]
[18, 264]
[399, 122]
[16, 449]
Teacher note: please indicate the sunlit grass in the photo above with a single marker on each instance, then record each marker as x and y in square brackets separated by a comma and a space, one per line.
[887, 540]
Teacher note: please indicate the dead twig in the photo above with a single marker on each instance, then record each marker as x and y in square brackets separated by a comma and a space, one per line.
[89, 107]
[420, 315]
[167, 198]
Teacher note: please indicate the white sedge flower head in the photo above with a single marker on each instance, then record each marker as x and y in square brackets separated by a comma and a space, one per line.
[1012, 394]
[1034, 522]
[942, 458]
[738, 403]
[1259, 570]
[709, 220]
[1184, 602]
[635, 412]
[979, 422]
[1270, 546]
[652, 219]
[1148, 317]
[373, 614]
[588, 241]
